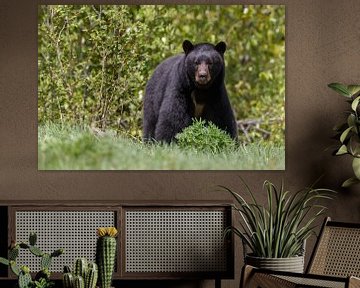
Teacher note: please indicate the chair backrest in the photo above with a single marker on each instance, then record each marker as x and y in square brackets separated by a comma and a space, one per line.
[337, 251]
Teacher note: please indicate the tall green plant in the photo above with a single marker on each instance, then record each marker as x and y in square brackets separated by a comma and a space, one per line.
[106, 254]
[279, 229]
[349, 132]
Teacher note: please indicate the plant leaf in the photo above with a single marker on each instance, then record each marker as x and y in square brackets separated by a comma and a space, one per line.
[349, 182]
[354, 145]
[4, 261]
[356, 167]
[355, 103]
[345, 134]
[342, 150]
[353, 89]
[340, 88]
[351, 119]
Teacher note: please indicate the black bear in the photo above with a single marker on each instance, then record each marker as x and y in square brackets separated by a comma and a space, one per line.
[187, 86]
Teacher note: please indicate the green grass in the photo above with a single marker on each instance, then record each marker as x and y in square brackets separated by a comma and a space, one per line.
[65, 148]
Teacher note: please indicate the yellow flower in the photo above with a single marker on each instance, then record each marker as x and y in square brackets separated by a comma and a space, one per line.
[106, 231]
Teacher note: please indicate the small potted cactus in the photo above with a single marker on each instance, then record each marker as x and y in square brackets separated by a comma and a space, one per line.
[106, 254]
[42, 278]
[85, 275]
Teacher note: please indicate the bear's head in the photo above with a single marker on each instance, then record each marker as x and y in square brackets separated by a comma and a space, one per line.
[204, 62]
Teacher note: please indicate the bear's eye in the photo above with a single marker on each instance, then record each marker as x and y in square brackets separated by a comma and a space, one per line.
[197, 62]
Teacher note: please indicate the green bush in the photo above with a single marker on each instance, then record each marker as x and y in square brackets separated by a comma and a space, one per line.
[204, 137]
[94, 60]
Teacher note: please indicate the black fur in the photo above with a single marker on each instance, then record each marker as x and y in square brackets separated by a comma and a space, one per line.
[196, 76]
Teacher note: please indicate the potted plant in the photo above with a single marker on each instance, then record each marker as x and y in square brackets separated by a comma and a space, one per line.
[106, 254]
[276, 233]
[84, 274]
[349, 132]
[42, 278]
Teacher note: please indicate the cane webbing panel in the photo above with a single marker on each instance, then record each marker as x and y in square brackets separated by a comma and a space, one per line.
[74, 231]
[175, 241]
[338, 252]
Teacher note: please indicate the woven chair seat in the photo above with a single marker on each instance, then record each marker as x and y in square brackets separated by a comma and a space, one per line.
[335, 262]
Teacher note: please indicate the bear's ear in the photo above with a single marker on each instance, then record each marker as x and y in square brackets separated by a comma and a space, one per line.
[221, 47]
[187, 46]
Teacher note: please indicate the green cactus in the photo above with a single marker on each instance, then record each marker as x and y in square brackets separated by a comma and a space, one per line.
[68, 280]
[80, 267]
[87, 272]
[91, 276]
[24, 277]
[32, 238]
[14, 268]
[36, 251]
[24, 245]
[57, 252]
[13, 253]
[45, 261]
[79, 282]
[105, 258]
[67, 269]
[23, 273]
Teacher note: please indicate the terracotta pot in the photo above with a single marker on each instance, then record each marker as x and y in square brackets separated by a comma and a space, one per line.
[291, 264]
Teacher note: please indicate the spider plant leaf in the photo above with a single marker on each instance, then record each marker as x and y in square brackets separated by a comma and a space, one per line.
[248, 190]
[341, 89]
[353, 89]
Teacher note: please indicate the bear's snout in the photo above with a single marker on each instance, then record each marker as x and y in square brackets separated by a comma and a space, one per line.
[202, 74]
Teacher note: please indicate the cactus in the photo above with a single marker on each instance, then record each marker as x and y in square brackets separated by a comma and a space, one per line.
[32, 238]
[87, 272]
[36, 251]
[68, 280]
[45, 261]
[13, 253]
[67, 269]
[24, 278]
[57, 252]
[79, 282]
[105, 254]
[80, 267]
[23, 273]
[91, 276]
[14, 268]
[24, 246]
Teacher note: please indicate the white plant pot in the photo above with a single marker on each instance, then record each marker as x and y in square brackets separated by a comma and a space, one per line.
[291, 264]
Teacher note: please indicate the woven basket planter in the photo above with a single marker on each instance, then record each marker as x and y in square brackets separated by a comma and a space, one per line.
[291, 264]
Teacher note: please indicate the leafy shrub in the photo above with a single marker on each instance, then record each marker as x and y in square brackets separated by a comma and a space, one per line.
[94, 60]
[204, 137]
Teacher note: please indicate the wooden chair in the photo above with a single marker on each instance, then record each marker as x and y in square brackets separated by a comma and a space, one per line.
[334, 263]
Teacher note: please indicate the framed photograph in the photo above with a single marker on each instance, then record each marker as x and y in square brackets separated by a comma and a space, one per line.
[161, 87]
